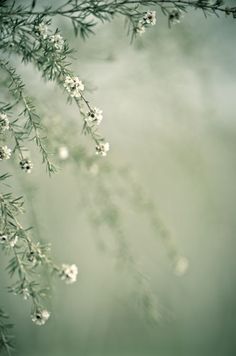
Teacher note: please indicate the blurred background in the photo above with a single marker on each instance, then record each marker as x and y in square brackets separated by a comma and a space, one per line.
[169, 114]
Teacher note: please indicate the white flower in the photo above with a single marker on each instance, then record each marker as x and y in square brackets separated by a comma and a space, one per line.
[5, 153]
[57, 41]
[69, 273]
[4, 122]
[181, 266]
[102, 149]
[63, 152]
[40, 317]
[150, 17]
[42, 30]
[74, 86]
[25, 293]
[175, 16]
[3, 239]
[13, 241]
[140, 29]
[26, 165]
[94, 116]
[31, 257]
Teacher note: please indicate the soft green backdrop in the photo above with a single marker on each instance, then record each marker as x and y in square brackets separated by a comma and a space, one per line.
[169, 113]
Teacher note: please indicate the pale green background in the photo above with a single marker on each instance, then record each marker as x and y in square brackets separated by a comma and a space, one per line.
[169, 113]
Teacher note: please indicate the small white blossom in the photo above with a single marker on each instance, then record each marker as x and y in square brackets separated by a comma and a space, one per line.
[31, 257]
[3, 239]
[13, 241]
[140, 29]
[102, 149]
[74, 86]
[42, 30]
[150, 17]
[175, 16]
[57, 41]
[4, 122]
[94, 116]
[181, 266]
[63, 152]
[69, 273]
[40, 317]
[25, 293]
[26, 165]
[5, 153]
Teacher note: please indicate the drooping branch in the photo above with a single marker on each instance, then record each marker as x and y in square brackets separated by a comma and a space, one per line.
[79, 12]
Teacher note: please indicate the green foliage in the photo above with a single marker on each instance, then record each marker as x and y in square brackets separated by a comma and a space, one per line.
[27, 126]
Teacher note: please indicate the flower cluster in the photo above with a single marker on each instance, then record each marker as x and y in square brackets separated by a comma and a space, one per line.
[74, 86]
[8, 240]
[32, 257]
[42, 30]
[102, 148]
[3, 239]
[94, 116]
[149, 18]
[5, 152]
[4, 122]
[69, 273]
[175, 16]
[40, 316]
[26, 165]
[37, 253]
[25, 293]
[57, 41]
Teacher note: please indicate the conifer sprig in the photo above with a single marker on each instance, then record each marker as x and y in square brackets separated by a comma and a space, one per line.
[31, 127]
[27, 259]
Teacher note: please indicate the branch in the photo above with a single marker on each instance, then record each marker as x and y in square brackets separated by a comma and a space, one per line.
[32, 123]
